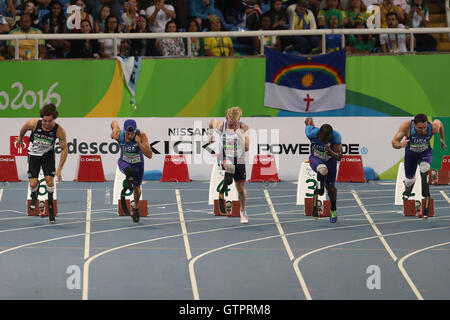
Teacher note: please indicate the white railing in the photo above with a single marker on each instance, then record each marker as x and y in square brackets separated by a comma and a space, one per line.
[188, 35]
[447, 10]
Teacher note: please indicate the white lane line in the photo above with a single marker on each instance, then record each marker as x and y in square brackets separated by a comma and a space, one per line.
[183, 226]
[1, 194]
[374, 227]
[442, 192]
[87, 237]
[279, 227]
[85, 289]
[297, 261]
[405, 274]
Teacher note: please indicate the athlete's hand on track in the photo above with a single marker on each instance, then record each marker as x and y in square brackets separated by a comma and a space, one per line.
[443, 145]
[309, 121]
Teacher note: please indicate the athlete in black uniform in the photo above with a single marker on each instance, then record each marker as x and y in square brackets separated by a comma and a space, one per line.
[41, 153]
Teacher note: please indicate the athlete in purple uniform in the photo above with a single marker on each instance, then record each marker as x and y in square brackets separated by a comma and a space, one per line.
[326, 150]
[417, 134]
[133, 146]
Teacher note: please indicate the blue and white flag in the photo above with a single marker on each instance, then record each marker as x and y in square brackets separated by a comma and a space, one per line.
[130, 71]
[305, 84]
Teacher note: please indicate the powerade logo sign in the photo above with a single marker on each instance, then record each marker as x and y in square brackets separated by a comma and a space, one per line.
[304, 148]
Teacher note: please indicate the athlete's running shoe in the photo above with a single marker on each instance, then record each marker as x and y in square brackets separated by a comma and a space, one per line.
[333, 216]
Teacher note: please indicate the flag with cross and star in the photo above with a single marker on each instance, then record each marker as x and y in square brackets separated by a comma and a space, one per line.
[305, 84]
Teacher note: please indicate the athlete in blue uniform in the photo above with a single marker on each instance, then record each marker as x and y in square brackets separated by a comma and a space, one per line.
[418, 133]
[326, 150]
[133, 146]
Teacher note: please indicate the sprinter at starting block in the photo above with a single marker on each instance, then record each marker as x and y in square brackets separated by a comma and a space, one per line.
[326, 150]
[233, 144]
[41, 153]
[418, 152]
[133, 146]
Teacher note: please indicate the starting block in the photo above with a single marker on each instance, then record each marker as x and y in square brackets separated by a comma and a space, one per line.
[41, 208]
[175, 169]
[324, 207]
[90, 169]
[413, 208]
[143, 208]
[42, 198]
[306, 184]
[416, 193]
[233, 208]
[351, 169]
[264, 169]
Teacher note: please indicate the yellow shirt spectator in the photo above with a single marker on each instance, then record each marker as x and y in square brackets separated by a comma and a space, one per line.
[219, 46]
[26, 47]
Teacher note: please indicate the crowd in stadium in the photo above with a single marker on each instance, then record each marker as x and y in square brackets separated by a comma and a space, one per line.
[140, 16]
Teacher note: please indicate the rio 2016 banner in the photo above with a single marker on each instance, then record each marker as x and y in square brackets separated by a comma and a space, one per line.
[205, 87]
[283, 137]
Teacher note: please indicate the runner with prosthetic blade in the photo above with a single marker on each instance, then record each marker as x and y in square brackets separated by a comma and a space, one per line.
[326, 150]
[418, 152]
[232, 135]
[41, 153]
[133, 147]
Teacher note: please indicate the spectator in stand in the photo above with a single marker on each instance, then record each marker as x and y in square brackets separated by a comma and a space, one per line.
[131, 8]
[278, 15]
[357, 9]
[28, 7]
[248, 14]
[4, 29]
[360, 43]
[85, 48]
[170, 46]
[26, 47]
[387, 7]
[218, 46]
[55, 22]
[331, 4]
[333, 19]
[107, 45]
[159, 14]
[202, 10]
[268, 41]
[43, 8]
[419, 17]
[303, 19]
[7, 11]
[95, 6]
[395, 43]
[101, 19]
[197, 44]
[84, 14]
[142, 47]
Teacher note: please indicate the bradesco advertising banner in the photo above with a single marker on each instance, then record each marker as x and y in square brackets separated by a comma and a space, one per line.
[282, 137]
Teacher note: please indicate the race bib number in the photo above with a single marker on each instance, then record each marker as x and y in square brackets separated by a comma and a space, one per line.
[131, 158]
